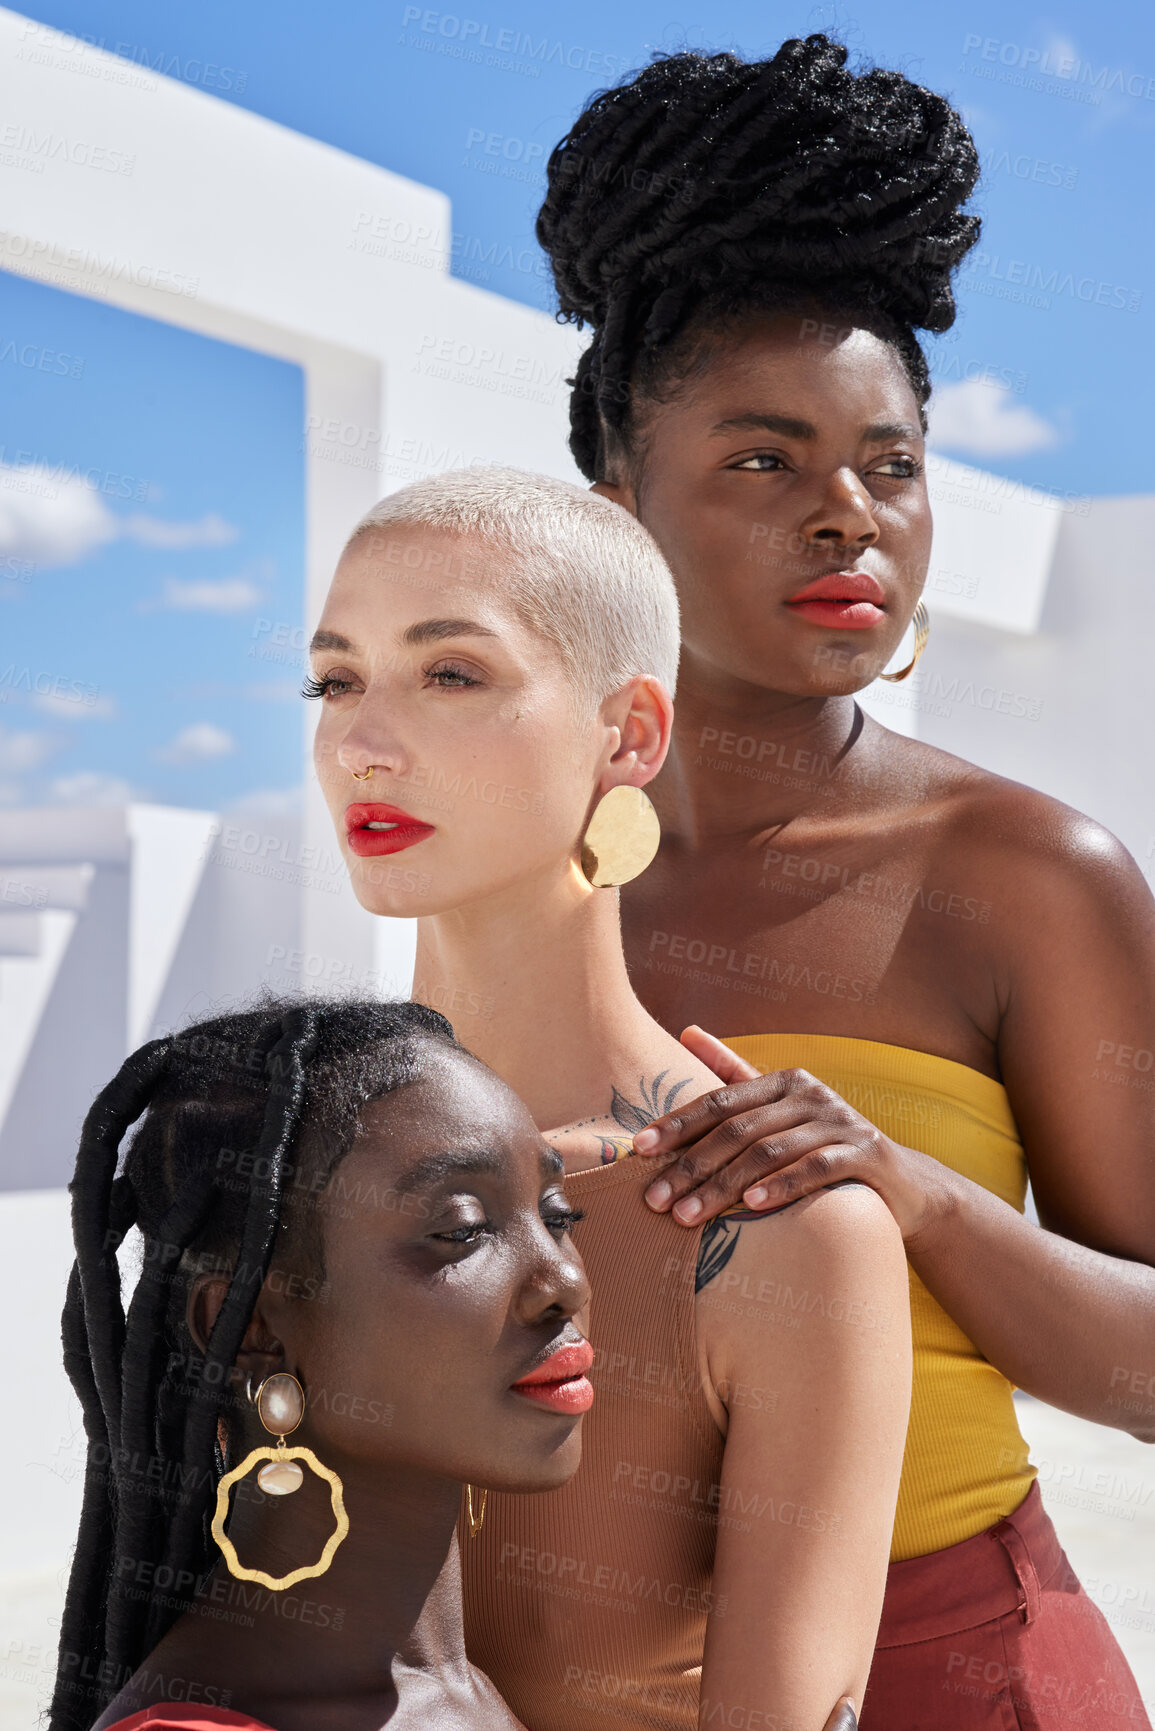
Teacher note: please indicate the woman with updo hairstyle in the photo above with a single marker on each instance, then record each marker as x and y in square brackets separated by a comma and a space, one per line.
[914, 963]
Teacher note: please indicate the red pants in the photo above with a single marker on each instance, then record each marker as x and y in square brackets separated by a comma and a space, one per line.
[998, 1633]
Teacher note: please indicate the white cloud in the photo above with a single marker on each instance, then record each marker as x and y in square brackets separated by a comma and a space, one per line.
[90, 787]
[980, 418]
[23, 749]
[209, 595]
[209, 531]
[268, 802]
[53, 517]
[50, 520]
[197, 744]
[1060, 51]
[81, 708]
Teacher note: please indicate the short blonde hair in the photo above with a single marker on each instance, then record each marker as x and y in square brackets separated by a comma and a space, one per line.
[579, 570]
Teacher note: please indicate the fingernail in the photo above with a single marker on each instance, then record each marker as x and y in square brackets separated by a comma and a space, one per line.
[756, 1198]
[688, 1210]
[645, 1140]
[659, 1194]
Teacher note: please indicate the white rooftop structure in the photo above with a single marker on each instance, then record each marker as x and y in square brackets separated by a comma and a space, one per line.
[118, 924]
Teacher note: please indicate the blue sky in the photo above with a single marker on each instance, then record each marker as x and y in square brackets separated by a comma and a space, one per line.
[106, 660]
[173, 468]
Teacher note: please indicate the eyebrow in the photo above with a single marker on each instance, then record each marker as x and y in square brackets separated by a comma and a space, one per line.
[436, 630]
[425, 631]
[787, 427]
[883, 430]
[436, 1168]
[329, 640]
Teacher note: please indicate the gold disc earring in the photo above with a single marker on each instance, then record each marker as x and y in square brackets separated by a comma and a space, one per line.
[921, 622]
[621, 838]
[476, 1520]
[280, 1404]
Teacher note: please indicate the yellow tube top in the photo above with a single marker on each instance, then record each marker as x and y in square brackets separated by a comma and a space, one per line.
[965, 1465]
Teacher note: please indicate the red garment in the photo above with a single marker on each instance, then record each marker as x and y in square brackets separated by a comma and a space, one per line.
[996, 1634]
[171, 1716]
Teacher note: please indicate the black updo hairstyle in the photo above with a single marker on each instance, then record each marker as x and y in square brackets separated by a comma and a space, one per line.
[243, 1112]
[708, 187]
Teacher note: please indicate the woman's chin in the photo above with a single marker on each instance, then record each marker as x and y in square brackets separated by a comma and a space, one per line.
[537, 1468]
[391, 886]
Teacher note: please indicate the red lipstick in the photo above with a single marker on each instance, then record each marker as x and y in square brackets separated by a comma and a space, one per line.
[561, 1383]
[848, 600]
[377, 829]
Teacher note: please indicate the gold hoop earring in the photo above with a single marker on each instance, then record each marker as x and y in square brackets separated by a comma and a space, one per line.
[364, 777]
[921, 623]
[621, 838]
[280, 1404]
[476, 1521]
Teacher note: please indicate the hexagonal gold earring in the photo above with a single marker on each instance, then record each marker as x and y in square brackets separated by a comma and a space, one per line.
[280, 1404]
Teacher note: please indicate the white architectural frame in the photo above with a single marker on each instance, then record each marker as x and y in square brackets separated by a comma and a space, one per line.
[237, 228]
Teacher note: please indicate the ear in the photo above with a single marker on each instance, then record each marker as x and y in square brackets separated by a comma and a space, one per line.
[642, 714]
[620, 492]
[260, 1354]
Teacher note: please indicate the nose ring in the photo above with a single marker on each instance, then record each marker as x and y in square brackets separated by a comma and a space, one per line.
[364, 777]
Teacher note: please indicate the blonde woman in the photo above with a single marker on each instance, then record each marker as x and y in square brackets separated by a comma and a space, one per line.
[496, 655]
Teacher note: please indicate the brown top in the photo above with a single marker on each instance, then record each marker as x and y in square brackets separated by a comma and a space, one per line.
[587, 1606]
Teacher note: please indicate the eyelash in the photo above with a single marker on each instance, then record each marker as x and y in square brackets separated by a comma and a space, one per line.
[914, 469]
[312, 688]
[760, 457]
[457, 674]
[320, 688]
[558, 1220]
[563, 1219]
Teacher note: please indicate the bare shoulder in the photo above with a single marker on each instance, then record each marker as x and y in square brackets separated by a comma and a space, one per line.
[794, 1298]
[845, 1235]
[846, 1226]
[999, 827]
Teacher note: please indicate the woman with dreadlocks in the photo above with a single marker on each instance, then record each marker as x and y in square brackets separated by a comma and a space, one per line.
[754, 246]
[493, 664]
[357, 1298]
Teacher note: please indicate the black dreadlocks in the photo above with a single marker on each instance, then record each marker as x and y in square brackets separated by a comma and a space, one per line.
[709, 187]
[205, 1182]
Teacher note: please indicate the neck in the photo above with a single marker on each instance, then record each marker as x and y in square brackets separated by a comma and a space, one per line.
[534, 981]
[745, 760]
[391, 1599]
